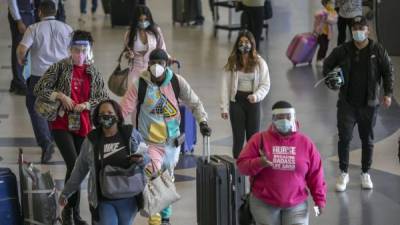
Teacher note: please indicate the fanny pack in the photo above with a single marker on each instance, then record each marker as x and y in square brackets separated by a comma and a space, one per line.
[117, 183]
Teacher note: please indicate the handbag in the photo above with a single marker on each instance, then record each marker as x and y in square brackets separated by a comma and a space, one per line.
[245, 216]
[118, 81]
[117, 183]
[46, 108]
[158, 194]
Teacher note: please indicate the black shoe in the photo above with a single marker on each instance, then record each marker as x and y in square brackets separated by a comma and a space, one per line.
[66, 216]
[12, 89]
[165, 221]
[20, 92]
[77, 218]
[47, 154]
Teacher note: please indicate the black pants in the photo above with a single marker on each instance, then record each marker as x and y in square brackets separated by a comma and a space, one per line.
[323, 43]
[245, 120]
[343, 24]
[253, 20]
[70, 146]
[18, 80]
[347, 117]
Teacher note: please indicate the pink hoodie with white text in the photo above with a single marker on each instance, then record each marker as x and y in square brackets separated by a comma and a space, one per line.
[296, 168]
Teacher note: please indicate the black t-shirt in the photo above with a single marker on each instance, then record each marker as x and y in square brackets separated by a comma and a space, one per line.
[358, 79]
[115, 152]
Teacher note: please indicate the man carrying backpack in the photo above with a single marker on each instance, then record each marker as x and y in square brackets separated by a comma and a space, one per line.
[152, 100]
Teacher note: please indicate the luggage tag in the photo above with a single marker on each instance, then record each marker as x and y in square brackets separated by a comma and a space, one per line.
[74, 121]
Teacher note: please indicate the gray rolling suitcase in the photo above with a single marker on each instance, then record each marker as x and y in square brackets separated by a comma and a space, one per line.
[38, 195]
[219, 189]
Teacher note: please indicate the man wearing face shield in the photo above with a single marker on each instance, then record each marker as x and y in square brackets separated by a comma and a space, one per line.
[284, 165]
[157, 115]
[365, 65]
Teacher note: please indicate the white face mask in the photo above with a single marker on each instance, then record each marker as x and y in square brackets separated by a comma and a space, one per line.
[157, 70]
[359, 35]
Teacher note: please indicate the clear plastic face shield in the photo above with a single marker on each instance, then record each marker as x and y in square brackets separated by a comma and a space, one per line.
[81, 52]
[284, 120]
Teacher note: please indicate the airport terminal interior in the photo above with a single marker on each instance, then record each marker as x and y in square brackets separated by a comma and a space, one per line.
[202, 56]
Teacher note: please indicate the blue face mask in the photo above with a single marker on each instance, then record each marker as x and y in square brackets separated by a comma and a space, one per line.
[284, 126]
[144, 24]
[359, 35]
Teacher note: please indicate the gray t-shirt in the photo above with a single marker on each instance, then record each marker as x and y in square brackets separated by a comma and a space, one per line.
[48, 41]
[349, 8]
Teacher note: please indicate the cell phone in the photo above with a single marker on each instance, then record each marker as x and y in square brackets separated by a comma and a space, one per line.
[179, 140]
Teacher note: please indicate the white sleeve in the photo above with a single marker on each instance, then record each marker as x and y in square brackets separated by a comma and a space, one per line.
[224, 105]
[14, 11]
[264, 84]
[27, 40]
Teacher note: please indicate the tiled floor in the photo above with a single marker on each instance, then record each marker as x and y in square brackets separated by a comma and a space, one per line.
[202, 57]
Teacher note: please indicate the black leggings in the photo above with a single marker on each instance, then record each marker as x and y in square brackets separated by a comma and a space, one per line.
[245, 120]
[343, 24]
[70, 146]
[323, 42]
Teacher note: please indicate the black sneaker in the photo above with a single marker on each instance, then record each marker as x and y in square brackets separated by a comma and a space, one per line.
[20, 92]
[47, 154]
[165, 221]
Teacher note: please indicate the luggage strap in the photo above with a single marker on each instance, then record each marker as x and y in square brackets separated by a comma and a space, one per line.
[39, 191]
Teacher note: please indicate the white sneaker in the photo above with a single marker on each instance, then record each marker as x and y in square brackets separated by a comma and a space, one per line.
[320, 63]
[366, 182]
[342, 181]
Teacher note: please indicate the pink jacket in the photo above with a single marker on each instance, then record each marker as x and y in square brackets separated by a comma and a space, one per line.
[324, 17]
[296, 167]
[140, 62]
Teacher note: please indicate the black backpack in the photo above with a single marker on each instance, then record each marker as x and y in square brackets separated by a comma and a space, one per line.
[142, 89]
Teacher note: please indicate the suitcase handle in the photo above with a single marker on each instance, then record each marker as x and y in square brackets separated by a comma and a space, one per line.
[206, 149]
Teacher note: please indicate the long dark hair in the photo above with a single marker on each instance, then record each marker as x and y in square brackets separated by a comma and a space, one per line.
[141, 10]
[117, 109]
[235, 59]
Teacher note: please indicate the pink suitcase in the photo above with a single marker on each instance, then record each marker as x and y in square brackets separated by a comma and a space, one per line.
[302, 48]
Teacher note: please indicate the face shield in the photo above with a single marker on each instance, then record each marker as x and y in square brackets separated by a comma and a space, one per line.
[284, 120]
[81, 52]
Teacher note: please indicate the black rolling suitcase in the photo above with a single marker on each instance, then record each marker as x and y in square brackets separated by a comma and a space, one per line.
[219, 189]
[122, 12]
[184, 11]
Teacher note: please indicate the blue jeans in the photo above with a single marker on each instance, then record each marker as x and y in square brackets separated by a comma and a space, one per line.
[117, 212]
[84, 4]
[40, 125]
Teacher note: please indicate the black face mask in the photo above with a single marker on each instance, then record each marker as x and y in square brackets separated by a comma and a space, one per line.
[107, 121]
[244, 48]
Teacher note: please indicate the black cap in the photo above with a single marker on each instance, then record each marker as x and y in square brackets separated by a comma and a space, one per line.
[359, 20]
[282, 105]
[158, 54]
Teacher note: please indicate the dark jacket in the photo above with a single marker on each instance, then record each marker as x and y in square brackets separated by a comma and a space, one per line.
[86, 162]
[380, 70]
